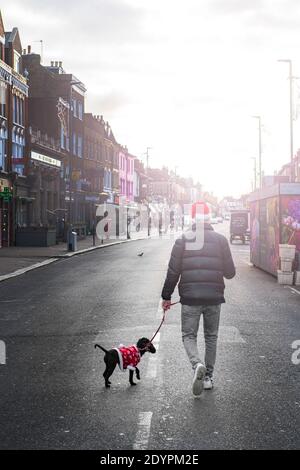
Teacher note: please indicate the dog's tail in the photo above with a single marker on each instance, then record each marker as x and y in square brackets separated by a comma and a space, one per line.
[100, 347]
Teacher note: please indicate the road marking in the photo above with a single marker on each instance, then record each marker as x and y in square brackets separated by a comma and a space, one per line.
[153, 360]
[143, 431]
[227, 334]
[159, 311]
[292, 289]
[2, 353]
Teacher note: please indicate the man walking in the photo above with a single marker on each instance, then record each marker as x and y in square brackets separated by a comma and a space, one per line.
[200, 273]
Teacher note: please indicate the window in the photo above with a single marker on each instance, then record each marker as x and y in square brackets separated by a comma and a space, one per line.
[80, 110]
[18, 145]
[79, 153]
[62, 138]
[74, 108]
[2, 49]
[74, 144]
[2, 149]
[3, 94]
[18, 110]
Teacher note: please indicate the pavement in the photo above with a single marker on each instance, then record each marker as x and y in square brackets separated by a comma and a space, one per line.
[17, 260]
[52, 393]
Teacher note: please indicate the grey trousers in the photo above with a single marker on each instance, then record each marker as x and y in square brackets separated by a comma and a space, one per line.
[190, 319]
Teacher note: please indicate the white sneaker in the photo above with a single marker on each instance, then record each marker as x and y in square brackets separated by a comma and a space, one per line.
[208, 383]
[198, 379]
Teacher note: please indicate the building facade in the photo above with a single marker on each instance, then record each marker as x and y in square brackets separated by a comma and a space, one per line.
[13, 133]
[57, 183]
[100, 165]
[126, 175]
[140, 182]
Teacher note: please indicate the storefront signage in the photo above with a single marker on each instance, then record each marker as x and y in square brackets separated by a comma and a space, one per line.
[4, 184]
[76, 175]
[92, 198]
[6, 194]
[45, 159]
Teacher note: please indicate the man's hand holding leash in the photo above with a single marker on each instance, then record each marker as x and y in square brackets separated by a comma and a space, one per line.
[166, 305]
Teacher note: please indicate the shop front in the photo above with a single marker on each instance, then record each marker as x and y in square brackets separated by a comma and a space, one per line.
[40, 212]
[5, 212]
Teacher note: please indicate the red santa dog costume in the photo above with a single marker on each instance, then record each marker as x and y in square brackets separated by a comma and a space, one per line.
[129, 357]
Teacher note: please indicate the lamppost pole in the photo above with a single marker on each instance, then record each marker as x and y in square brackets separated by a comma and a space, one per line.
[288, 61]
[255, 172]
[259, 150]
[148, 193]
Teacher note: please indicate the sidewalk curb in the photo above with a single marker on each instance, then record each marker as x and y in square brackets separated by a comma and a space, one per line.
[19, 272]
[92, 248]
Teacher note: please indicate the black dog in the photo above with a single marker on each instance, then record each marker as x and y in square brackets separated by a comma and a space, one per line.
[126, 358]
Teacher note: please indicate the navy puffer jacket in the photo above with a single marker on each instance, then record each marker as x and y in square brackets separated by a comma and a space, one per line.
[201, 272]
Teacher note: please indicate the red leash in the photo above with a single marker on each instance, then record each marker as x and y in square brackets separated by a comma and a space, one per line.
[163, 319]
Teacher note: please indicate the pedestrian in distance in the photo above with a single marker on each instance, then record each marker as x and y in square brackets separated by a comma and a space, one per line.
[106, 226]
[200, 273]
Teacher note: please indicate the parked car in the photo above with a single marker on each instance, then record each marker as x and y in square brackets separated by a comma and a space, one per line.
[239, 226]
[220, 220]
[213, 220]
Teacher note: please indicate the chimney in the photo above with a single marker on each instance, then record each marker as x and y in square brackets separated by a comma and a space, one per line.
[56, 63]
[60, 64]
[29, 49]
[24, 51]
[52, 63]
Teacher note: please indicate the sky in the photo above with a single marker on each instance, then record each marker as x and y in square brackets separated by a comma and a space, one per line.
[183, 77]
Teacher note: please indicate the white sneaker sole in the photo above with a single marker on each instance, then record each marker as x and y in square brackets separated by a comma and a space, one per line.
[198, 381]
[208, 387]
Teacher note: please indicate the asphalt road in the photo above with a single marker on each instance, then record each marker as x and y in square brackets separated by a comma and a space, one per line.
[52, 393]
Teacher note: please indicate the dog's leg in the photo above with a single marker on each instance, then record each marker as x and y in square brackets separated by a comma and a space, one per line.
[131, 377]
[137, 373]
[107, 373]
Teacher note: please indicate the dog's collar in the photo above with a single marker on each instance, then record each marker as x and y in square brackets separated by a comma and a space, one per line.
[146, 348]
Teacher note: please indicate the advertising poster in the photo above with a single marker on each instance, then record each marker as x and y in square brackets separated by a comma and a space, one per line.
[290, 220]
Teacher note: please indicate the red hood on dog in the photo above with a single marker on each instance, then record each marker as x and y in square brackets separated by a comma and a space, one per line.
[129, 357]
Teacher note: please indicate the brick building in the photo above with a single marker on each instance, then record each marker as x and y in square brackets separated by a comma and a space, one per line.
[100, 165]
[13, 128]
[57, 184]
[140, 182]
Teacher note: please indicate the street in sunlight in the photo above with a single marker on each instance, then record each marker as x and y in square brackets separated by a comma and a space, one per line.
[149, 230]
[52, 389]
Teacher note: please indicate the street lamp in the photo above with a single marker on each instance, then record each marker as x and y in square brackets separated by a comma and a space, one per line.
[147, 193]
[288, 61]
[259, 150]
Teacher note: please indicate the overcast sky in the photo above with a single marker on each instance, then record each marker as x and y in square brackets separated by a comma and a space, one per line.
[180, 76]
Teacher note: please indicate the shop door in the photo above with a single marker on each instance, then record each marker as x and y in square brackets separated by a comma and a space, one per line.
[4, 227]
